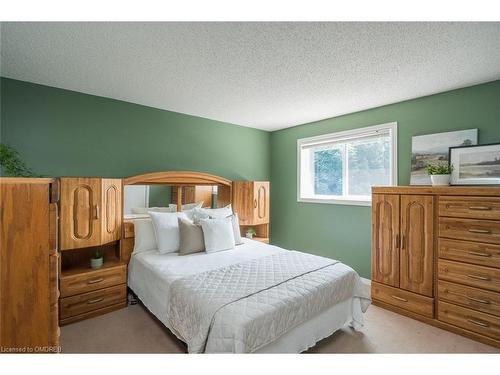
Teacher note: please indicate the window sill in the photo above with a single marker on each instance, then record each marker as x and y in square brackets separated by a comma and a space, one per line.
[348, 202]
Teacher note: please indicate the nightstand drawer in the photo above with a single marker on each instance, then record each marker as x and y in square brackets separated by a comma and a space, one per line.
[470, 207]
[92, 280]
[472, 298]
[468, 274]
[483, 254]
[406, 300]
[471, 320]
[82, 303]
[469, 229]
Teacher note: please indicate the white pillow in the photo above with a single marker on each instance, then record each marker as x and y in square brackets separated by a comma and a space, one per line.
[144, 236]
[186, 207]
[145, 210]
[235, 221]
[218, 234]
[216, 213]
[161, 209]
[166, 227]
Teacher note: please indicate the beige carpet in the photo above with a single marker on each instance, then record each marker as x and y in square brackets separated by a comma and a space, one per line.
[135, 330]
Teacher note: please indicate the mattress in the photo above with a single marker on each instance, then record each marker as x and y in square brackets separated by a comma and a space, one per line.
[151, 275]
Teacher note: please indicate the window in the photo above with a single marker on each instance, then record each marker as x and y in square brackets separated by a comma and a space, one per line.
[342, 167]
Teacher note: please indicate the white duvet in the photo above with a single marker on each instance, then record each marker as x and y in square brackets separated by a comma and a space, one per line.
[243, 299]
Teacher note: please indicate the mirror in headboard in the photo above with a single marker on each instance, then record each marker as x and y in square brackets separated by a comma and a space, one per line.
[169, 190]
[138, 199]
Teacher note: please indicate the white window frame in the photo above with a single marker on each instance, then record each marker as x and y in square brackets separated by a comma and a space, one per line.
[338, 136]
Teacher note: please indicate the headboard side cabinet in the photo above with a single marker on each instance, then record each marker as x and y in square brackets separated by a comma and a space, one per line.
[90, 221]
[251, 201]
[436, 256]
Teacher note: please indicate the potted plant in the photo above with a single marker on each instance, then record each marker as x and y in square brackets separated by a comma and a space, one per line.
[250, 233]
[11, 164]
[440, 174]
[96, 260]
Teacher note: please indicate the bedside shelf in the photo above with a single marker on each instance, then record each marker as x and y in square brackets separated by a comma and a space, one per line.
[261, 239]
[84, 269]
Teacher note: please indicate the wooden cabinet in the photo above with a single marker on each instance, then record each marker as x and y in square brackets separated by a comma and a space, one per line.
[28, 265]
[436, 256]
[87, 293]
[251, 201]
[90, 213]
[402, 242]
[90, 220]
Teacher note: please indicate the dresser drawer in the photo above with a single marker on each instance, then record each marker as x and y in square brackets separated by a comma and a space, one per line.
[471, 320]
[93, 280]
[470, 207]
[483, 254]
[403, 299]
[468, 274]
[466, 296]
[468, 229]
[82, 303]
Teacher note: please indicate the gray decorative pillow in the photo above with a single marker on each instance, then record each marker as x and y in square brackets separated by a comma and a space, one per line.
[190, 237]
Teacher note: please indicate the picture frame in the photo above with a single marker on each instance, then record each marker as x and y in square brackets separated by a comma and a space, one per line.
[475, 165]
[434, 149]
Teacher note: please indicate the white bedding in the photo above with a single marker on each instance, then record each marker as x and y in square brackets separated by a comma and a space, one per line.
[151, 276]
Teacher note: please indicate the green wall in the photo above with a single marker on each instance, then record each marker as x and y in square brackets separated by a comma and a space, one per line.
[65, 133]
[341, 231]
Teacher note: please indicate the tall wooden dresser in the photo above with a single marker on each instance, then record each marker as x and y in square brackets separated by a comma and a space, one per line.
[436, 256]
[28, 265]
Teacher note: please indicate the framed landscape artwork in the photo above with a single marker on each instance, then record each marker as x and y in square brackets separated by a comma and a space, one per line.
[434, 149]
[476, 165]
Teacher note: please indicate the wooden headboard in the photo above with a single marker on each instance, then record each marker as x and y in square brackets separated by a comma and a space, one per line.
[176, 179]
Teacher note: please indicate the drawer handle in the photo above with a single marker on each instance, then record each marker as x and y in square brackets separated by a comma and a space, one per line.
[480, 208]
[95, 281]
[482, 231]
[479, 254]
[478, 322]
[399, 298]
[478, 277]
[486, 302]
[95, 300]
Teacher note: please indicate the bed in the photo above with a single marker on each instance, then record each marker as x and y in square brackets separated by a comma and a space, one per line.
[253, 298]
[288, 315]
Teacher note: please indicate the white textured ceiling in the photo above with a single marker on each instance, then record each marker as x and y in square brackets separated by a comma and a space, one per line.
[263, 75]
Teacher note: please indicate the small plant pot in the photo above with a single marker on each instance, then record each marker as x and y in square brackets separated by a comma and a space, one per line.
[249, 235]
[95, 262]
[440, 179]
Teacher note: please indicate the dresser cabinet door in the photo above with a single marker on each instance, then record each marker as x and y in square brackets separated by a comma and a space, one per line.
[385, 239]
[261, 202]
[111, 210]
[80, 224]
[417, 243]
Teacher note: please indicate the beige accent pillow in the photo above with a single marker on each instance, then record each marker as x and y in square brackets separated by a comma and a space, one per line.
[190, 237]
